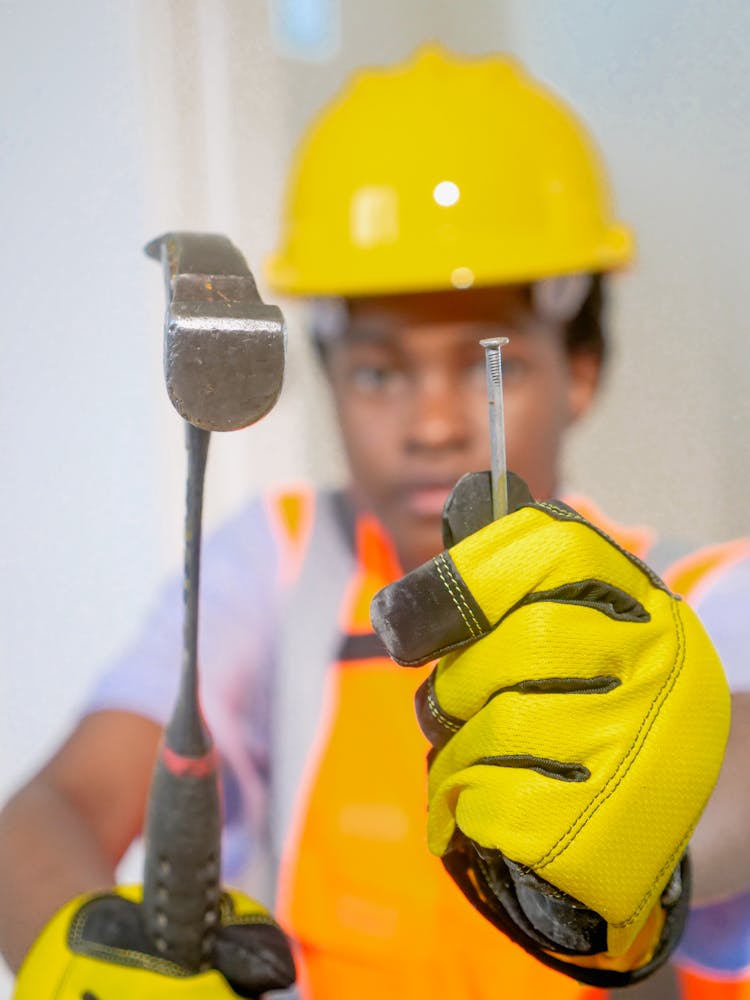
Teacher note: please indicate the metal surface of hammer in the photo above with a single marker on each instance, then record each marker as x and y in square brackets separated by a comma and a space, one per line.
[223, 346]
[224, 363]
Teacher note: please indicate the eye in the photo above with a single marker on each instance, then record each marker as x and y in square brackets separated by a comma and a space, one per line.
[372, 378]
[513, 369]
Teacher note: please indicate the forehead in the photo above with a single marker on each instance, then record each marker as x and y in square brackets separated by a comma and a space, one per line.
[379, 317]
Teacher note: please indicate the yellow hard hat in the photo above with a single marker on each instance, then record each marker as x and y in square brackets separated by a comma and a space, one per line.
[444, 172]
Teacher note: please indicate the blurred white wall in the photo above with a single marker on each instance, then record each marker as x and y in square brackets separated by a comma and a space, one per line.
[123, 120]
[83, 495]
[665, 88]
[80, 411]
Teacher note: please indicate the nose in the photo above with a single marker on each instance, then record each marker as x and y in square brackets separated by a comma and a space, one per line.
[437, 417]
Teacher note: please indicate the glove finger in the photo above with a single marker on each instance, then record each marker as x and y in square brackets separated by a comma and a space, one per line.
[548, 552]
[467, 509]
[532, 756]
[648, 796]
[254, 958]
[251, 951]
[469, 504]
[541, 552]
[542, 647]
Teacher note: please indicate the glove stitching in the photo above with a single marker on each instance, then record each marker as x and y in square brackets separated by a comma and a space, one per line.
[623, 768]
[681, 846]
[437, 713]
[460, 603]
[245, 919]
[606, 791]
[125, 956]
[669, 864]
[454, 589]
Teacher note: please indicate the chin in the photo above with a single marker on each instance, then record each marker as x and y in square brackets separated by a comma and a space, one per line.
[418, 539]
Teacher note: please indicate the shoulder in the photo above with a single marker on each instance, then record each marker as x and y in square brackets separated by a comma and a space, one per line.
[724, 567]
[716, 580]
[266, 532]
[691, 571]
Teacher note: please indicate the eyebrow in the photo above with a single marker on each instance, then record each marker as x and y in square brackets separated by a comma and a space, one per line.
[368, 335]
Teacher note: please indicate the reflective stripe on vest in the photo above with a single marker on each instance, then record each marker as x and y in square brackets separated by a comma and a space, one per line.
[371, 912]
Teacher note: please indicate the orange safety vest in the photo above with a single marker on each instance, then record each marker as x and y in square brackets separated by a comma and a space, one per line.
[370, 911]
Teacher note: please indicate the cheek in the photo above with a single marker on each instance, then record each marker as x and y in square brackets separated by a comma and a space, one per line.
[368, 433]
[475, 412]
[536, 416]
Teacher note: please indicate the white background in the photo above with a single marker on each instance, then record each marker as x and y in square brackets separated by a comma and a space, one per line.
[121, 120]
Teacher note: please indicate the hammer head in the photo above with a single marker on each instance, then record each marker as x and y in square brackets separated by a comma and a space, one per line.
[223, 347]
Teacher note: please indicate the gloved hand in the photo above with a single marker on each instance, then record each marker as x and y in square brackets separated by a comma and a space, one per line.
[74, 957]
[578, 723]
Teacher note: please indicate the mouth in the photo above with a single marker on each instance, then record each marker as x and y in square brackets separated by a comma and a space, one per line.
[425, 499]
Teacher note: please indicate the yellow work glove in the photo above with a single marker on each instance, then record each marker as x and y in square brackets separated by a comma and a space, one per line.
[95, 948]
[578, 722]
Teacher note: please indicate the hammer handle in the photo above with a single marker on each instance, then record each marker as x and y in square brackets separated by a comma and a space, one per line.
[183, 830]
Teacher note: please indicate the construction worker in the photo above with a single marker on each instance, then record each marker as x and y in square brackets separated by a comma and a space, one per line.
[433, 204]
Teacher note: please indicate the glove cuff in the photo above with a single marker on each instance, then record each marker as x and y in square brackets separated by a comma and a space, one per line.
[510, 896]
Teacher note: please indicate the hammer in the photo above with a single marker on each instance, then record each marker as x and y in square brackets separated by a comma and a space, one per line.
[224, 363]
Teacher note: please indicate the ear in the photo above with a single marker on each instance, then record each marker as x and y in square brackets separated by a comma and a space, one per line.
[584, 369]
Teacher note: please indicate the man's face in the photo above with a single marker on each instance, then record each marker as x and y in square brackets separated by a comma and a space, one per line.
[409, 386]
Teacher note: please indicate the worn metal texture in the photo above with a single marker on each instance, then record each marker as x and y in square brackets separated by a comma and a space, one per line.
[224, 348]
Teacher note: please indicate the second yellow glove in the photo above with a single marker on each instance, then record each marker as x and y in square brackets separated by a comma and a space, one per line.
[73, 957]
